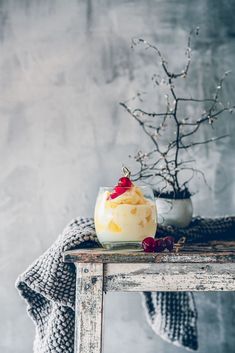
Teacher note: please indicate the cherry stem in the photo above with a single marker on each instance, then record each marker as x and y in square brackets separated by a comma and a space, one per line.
[126, 172]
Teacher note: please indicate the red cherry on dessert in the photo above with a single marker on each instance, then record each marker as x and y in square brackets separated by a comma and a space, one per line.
[125, 182]
[160, 245]
[119, 190]
[149, 244]
[169, 242]
[113, 195]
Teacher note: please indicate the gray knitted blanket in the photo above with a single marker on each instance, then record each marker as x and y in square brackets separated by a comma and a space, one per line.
[48, 286]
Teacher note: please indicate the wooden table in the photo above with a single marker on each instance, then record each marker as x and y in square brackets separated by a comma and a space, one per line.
[201, 267]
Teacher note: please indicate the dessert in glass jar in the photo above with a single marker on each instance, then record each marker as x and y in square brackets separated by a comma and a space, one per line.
[125, 215]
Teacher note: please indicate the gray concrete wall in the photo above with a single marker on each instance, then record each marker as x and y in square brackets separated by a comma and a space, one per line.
[64, 66]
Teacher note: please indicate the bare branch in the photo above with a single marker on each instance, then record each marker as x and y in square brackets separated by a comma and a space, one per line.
[163, 165]
[137, 110]
[203, 142]
[172, 75]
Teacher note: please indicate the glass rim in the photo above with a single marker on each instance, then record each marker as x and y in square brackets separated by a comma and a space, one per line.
[126, 187]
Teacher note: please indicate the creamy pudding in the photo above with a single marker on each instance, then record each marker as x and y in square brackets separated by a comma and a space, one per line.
[129, 216]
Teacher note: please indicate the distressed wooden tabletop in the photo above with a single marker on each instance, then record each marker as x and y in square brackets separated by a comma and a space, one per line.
[196, 267]
[212, 252]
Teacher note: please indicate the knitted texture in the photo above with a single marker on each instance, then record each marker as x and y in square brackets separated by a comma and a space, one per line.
[48, 286]
[202, 230]
[173, 316]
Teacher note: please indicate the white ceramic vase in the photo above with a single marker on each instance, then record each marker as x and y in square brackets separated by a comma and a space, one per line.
[174, 212]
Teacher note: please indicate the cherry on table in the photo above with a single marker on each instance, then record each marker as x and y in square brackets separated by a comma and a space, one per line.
[149, 244]
[169, 242]
[160, 245]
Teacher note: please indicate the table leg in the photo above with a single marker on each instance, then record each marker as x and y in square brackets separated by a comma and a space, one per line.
[89, 308]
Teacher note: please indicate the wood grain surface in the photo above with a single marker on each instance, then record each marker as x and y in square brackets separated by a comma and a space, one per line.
[214, 252]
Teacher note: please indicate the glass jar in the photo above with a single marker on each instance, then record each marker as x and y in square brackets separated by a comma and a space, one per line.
[123, 222]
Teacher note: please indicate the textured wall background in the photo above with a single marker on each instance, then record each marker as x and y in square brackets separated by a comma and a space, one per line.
[64, 66]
